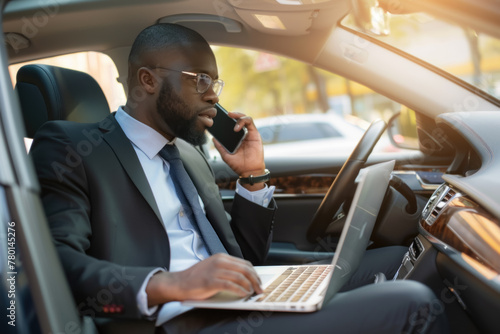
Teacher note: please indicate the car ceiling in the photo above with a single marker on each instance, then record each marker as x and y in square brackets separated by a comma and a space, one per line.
[110, 26]
[105, 25]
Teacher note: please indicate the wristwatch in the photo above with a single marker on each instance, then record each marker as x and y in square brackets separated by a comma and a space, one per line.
[251, 180]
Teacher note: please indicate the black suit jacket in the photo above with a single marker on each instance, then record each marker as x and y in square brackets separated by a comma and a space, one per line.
[105, 221]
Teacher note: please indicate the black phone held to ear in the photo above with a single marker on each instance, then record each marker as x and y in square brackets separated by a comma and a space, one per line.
[223, 130]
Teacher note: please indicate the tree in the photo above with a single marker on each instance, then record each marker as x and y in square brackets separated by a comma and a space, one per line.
[262, 85]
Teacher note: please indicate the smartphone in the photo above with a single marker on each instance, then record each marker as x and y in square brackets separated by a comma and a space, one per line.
[223, 130]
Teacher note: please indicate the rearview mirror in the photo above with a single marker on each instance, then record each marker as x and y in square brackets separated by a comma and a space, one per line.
[370, 17]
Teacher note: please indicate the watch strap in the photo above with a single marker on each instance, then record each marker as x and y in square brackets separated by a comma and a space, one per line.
[251, 180]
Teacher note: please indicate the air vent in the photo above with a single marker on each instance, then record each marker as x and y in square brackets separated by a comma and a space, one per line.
[449, 195]
[442, 200]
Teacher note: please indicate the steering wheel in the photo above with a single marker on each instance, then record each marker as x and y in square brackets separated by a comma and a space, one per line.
[344, 181]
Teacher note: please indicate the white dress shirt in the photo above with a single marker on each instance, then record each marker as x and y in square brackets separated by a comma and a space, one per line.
[186, 244]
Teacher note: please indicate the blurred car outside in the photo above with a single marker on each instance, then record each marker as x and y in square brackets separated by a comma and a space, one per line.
[312, 135]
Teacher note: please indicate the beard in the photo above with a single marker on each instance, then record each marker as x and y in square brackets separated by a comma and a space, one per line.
[179, 117]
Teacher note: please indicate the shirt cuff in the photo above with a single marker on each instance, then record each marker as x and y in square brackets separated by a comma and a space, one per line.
[262, 197]
[142, 296]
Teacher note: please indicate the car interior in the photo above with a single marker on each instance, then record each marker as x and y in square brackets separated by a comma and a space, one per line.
[443, 202]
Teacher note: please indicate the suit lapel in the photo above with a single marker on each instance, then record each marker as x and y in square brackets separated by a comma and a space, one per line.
[115, 137]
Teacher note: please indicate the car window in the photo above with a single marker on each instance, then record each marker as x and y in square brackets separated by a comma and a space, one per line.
[292, 102]
[327, 131]
[306, 131]
[294, 132]
[469, 55]
[264, 85]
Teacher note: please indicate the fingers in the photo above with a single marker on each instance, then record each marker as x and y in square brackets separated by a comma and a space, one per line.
[220, 272]
[242, 121]
[249, 159]
[236, 283]
[238, 272]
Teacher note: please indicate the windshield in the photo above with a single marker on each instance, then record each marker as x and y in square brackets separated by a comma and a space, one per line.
[470, 56]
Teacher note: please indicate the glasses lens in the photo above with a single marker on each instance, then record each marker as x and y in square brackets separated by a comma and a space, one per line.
[217, 86]
[204, 82]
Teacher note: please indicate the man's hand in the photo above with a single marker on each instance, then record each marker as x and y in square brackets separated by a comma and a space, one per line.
[249, 159]
[220, 272]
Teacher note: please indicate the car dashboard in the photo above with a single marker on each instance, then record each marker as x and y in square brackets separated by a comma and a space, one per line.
[457, 251]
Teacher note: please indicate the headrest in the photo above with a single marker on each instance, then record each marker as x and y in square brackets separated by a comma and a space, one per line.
[53, 93]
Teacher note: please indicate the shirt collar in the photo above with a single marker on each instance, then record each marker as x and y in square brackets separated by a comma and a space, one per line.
[141, 135]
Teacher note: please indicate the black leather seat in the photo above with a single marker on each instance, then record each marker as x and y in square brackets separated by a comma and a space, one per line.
[54, 93]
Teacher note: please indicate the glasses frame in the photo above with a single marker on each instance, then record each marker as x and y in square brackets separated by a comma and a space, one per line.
[213, 83]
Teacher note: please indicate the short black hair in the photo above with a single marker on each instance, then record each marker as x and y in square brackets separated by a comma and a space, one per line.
[160, 36]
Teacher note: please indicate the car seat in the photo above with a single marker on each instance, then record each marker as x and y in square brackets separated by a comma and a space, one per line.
[54, 93]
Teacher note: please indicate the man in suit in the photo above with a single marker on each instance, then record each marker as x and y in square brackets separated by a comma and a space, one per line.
[126, 242]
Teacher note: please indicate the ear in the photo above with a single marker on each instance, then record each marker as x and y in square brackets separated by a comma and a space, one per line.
[148, 80]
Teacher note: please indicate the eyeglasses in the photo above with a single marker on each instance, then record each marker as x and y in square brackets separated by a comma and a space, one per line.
[203, 81]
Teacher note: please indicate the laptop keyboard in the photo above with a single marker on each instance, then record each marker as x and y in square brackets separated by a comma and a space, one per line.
[296, 284]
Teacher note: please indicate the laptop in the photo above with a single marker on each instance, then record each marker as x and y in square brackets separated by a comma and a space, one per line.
[305, 288]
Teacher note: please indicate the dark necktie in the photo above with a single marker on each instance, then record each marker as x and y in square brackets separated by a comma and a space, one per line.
[188, 196]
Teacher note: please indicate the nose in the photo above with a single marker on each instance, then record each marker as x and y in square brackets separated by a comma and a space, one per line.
[210, 95]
